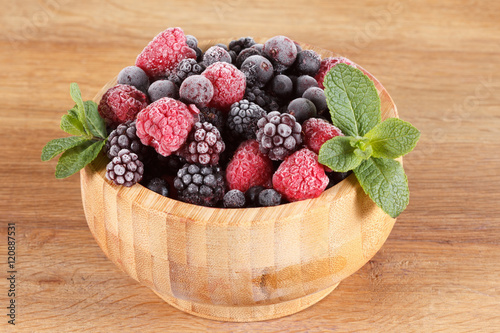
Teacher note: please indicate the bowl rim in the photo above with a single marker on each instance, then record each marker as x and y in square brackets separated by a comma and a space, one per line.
[158, 204]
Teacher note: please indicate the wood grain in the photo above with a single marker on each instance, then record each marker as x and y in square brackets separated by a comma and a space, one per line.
[437, 272]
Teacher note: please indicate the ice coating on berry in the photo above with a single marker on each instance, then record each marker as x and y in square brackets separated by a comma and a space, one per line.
[258, 70]
[165, 124]
[204, 144]
[196, 89]
[300, 176]
[234, 199]
[216, 54]
[125, 169]
[249, 167]
[307, 62]
[121, 103]
[327, 64]
[162, 88]
[162, 55]
[282, 51]
[317, 132]
[302, 109]
[134, 76]
[229, 85]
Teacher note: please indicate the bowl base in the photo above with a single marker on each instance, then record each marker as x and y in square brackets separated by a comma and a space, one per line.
[247, 313]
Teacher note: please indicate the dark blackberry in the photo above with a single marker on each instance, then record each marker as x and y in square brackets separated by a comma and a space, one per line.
[317, 96]
[243, 117]
[307, 63]
[125, 169]
[302, 109]
[200, 185]
[158, 185]
[278, 135]
[216, 54]
[281, 86]
[252, 195]
[258, 70]
[186, 67]
[213, 116]
[239, 45]
[269, 197]
[261, 98]
[163, 88]
[234, 199]
[125, 137]
[204, 145]
[134, 76]
[303, 83]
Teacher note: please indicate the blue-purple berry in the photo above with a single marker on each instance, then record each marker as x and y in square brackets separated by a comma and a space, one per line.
[258, 70]
[303, 83]
[134, 76]
[191, 41]
[281, 86]
[269, 197]
[252, 195]
[282, 51]
[158, 185]
[216, 54]
[302, 109]
[307, 63]
[317, 96]
[196, 89]
[162, 88]
[234, 199]
[246, 53]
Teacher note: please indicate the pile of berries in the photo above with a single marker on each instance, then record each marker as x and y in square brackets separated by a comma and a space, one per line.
[238, 125]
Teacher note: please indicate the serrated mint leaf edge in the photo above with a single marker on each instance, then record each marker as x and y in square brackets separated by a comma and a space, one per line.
[72, 125]
[57, 146]
[76, 158]
[377, 139]
[94, 121]
[332, 151]
[393, 210]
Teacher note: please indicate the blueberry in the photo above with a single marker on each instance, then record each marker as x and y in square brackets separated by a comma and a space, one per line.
[234, 199]
[134, 76]
[269, 197]
[244, 55]
[196, 89]
[199, 54]
[302, 109]
[252, 195]
[317, 96]
[224, 46]
[162, 88]
[307, 63]
[258, 70]
[216, 54]
[191, 41]
[303, 83]
[159, 186]
[297, 45]
[258, 47]
[282, 86]
[282, 52]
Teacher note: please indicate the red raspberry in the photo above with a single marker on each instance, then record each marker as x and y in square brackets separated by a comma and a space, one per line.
[121, 103]
[327, 64]
[300, 176]
[162, 55]
[229, 85]
[249, 167]
[165, 124]
[318, 131]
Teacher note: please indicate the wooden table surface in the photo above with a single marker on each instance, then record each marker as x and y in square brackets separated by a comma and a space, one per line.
[440, 61]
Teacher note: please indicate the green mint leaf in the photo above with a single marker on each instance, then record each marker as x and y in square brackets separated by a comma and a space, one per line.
[76, 95]
[338, 154]
[352, 99]
[95, 123]
[57, 146]
[76, 158]
[74, 111]
[393, 138]
[384, 180]
[72, 125]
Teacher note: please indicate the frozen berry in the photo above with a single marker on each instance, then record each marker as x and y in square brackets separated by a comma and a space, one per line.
[278, 135]
[249, 167]
[213, 116]
[125, 137]
[336, 177]
[301, 109]
[165, 124]
[327, 64]
[300, 176]
[125, 169]
[161, 56]
[258, 47]
[317, 96]
[307, 63]
[260, 97]
[134, 76]
[269, 197]
[229, 84]
[222, 45]
[185, 69]
[234, 199]
[258, 70]
[200, 185]
[121, 103]
[282, 52]
[216, 54]
[191, 41]
[204, 145]
[252, 195]
[241, 44]
[243, 117]
[303, 83]
[196, 89]
[297, 45]
[282, 86]
[158, 185]
[162, 88]
[317, 132]
[246, 53]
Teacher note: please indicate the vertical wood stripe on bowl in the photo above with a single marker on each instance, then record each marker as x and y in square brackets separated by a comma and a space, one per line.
[236, 264]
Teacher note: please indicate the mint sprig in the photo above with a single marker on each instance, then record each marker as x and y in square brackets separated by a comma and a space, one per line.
[370, 146]
[89, 136]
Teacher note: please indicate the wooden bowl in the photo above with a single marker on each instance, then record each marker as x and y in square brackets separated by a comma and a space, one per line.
[236, 264]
